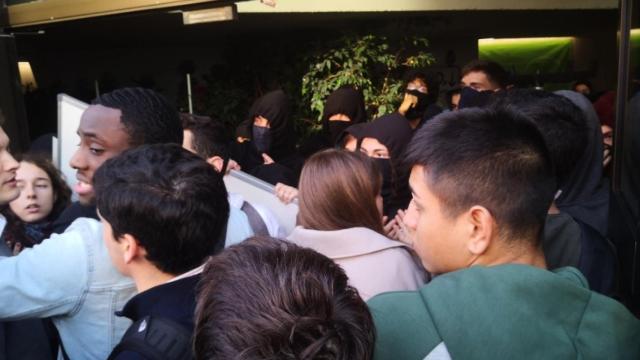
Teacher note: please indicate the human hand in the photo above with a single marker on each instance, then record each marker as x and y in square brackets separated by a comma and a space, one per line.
[233, 165]
[15, 249]
[606, 157]
[388, 227]
[408, 102]
[267, 159]
[402, 232]
[286, 193]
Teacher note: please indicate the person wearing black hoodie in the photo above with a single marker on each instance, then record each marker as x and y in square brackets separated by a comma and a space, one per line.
[385, 139]
[585, 195]
[266, 148]
[344, 108]
[568, 240]
[419, 103]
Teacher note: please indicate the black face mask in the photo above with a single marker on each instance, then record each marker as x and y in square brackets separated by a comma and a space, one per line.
[261, 138]
[384, 165]
[417, 112]
[336, 128]
[473, 98]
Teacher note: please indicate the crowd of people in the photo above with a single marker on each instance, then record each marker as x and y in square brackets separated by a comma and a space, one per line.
[470, 232]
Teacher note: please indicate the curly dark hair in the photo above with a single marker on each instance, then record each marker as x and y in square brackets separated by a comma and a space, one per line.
[147, 116]
[269, 299]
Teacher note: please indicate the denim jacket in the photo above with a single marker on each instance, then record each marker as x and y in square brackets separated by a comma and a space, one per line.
[69, 278]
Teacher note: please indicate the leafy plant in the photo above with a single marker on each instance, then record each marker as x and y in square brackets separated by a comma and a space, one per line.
[308, 74]
[371, 63]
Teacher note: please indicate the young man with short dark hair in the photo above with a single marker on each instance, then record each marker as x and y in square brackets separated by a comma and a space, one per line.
[69, 277]
[479, 81]
[482, 182]
[208, 139]
[163, 210]
[270, 299]
[114, 122]
[482, 75]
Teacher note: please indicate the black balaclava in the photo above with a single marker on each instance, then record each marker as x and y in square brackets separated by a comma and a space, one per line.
[417, 112]
[278, 140]
[347, 101]
[394, 132]
[261, 137]
[585, 194]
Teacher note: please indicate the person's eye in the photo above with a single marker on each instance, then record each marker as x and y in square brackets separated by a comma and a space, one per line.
[42, 186]
[417, 207]
[96, 151]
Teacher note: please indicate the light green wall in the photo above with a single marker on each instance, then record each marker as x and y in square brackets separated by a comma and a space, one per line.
[306, 6]
[529, 55]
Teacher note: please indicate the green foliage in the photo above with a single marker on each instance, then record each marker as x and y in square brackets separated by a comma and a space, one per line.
[308, 72]
[371, 63]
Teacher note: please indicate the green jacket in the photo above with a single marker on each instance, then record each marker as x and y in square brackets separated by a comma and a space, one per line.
[504, 312]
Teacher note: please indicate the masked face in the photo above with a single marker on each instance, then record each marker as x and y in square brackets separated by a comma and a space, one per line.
[261, 138]
[380, 154]
[336, 128]
[387, 180]
[470, 97]
[417, 111]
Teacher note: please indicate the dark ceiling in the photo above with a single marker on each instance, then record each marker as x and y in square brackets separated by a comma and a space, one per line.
[165, 29]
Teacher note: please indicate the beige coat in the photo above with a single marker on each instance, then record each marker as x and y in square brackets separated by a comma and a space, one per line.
[373, 263]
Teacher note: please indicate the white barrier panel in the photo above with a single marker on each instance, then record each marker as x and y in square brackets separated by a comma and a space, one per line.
[69, 113]
[262, 193]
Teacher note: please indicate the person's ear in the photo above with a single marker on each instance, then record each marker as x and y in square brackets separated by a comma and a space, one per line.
[131, 249]
[217, 162]
[481, 229]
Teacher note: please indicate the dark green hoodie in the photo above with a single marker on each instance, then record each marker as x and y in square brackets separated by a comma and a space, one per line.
[504, 312]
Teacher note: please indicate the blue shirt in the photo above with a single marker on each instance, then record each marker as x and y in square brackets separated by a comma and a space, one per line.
[69, 278]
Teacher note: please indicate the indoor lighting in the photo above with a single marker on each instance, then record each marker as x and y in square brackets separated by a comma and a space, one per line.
[224, 13]
[26, 76]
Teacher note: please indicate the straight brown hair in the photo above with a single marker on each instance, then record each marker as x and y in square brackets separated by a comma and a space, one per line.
[338, 190]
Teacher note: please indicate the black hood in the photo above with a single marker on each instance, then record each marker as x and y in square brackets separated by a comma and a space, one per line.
[275, 107]
[585, 195]
[347, 101]
[394, 132]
